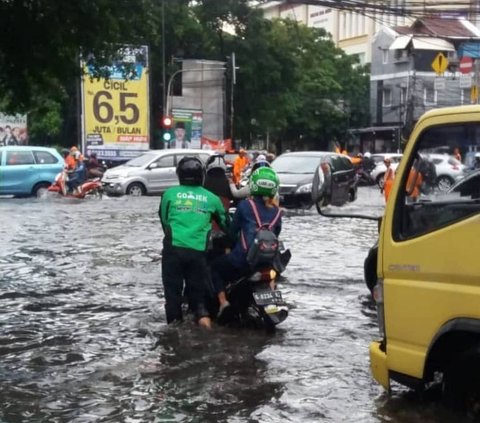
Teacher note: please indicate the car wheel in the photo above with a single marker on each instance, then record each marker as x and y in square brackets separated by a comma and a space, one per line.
[352, 195]
[461, 382]
[305, 205]
[380, 180]
[40, 189]
[444, 183]
[136, 189]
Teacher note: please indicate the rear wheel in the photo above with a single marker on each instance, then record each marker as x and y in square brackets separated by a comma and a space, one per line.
[352, 195]
[40, 189]
[461, 382]
[136, 189]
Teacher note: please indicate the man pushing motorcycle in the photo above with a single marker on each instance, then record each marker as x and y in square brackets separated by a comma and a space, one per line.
[186, 212]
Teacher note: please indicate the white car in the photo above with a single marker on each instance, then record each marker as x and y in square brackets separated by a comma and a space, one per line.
[150, 173]
[378, 171]
[448, 170]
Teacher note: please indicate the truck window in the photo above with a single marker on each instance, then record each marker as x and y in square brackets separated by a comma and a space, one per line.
[440, 186]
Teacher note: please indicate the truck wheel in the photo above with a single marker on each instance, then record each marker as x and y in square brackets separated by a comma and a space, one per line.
[136, 189]
[461, 382]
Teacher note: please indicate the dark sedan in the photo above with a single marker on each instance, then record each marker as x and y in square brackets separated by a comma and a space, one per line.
[296, 172]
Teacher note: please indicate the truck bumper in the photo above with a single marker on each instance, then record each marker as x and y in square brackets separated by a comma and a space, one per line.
[378, 365]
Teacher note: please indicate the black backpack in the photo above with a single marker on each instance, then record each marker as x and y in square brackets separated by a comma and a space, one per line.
[264, 249]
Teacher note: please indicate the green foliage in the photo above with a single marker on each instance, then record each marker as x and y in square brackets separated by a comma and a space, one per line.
[292, 83]
[300, 87]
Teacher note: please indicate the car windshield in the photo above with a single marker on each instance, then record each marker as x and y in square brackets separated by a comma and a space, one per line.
[296, 164]
[141, 160]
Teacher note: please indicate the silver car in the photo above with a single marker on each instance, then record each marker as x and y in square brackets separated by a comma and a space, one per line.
[150, 173]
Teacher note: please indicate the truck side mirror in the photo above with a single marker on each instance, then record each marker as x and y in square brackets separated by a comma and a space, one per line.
[322, 185]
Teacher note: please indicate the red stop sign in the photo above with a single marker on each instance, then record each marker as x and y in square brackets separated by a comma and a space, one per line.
[466, 65]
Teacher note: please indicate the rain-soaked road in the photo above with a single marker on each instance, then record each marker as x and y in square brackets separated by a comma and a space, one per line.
[81, 308]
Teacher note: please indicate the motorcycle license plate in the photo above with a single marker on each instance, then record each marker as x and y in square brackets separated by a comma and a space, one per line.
[268, 297]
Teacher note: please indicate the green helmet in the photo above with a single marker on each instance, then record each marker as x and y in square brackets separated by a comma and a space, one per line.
[264, 182]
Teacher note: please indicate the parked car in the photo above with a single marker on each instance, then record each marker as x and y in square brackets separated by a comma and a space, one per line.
[378, 171]
[448, 170]
[28, 170]
[296, 172]
[150, 173]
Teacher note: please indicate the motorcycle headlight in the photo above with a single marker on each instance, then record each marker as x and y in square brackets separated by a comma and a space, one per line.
[304, 189]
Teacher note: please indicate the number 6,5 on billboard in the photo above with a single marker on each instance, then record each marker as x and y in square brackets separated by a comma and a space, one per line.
[116, 109]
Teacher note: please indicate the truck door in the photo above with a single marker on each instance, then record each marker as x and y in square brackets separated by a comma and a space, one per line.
[431, 239]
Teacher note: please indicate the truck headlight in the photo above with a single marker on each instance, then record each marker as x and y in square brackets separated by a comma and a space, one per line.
[304, 189]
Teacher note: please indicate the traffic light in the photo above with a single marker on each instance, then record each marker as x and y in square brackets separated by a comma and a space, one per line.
[167, 123]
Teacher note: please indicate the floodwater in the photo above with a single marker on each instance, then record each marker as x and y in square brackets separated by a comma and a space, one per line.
[83, 335]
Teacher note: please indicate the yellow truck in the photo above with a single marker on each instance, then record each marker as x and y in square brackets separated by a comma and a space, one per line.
[428, 263]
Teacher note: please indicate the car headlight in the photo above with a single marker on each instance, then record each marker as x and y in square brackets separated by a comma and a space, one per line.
[304, 189]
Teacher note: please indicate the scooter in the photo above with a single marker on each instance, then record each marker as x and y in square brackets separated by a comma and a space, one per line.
[255, 300]
[89, 187]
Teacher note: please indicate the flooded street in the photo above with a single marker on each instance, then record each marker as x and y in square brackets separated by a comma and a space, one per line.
[83, 336]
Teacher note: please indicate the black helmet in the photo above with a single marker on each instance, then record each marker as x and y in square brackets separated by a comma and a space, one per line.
[190, 171]
[215, 161]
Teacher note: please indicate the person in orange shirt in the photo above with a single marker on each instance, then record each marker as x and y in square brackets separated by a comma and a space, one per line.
[414, 182]
[239, 164]
[70, 162]
[388, 178]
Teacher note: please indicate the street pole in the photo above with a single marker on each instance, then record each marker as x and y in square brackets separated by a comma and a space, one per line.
[234, 80]
[163, 58]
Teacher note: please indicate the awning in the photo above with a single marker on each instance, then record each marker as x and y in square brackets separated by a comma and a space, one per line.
[422, 43]
[400, 42]
[373, 129]
[427, 43]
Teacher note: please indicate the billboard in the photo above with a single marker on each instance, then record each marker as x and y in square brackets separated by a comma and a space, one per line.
[115, 111]
[187, 128]
[13, 130]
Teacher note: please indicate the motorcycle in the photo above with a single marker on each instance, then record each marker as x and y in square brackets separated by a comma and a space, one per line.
[363, 177]
[89, 187]
[255, 300]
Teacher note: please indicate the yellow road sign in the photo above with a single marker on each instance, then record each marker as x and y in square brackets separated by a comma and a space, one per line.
[474, 94]
[440, 63]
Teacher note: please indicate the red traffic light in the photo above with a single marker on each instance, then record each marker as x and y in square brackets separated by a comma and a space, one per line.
[167, 122]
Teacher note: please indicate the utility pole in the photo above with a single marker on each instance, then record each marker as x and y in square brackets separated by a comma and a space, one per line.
[164, 93]
[234, 81]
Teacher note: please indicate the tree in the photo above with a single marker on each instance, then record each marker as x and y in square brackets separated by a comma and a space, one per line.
[300, 87]
[293, 83]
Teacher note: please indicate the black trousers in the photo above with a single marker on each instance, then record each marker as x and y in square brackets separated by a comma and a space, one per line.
[184, 269]
[224, 271]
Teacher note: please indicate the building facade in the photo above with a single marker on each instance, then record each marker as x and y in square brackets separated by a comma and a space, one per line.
[351, 31]
[404, 82]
